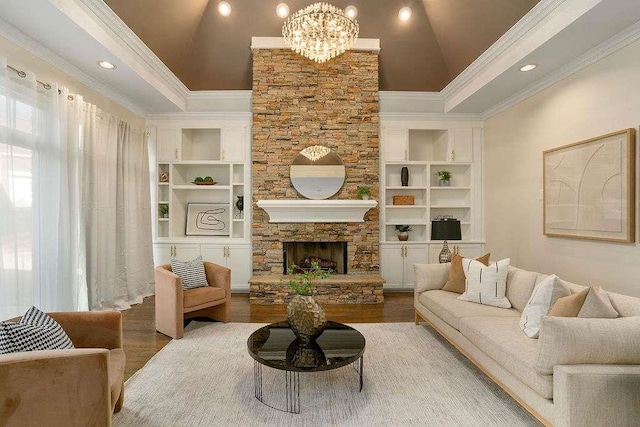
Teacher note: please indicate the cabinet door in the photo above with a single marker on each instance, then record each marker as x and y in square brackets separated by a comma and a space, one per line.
[232, 146]
[461, 145]
[168, 145]
[240, 262]
[162, 253]
[215, 253]
[413, 255]
[395, 143]
[392, 265]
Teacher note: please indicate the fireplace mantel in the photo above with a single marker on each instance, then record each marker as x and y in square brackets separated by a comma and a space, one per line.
[294, 210]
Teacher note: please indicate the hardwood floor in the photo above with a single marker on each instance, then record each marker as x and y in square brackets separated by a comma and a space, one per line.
[141, 341]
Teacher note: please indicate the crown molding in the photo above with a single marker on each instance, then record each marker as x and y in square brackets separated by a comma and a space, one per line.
[403, 116]
[24, 41]
[604, 49]
[371, 45]
[533, 18]
[99, 21]
[414, 96]
[201, 116]
[220, 94]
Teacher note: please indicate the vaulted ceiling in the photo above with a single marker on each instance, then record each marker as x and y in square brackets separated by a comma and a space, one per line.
[207, 51]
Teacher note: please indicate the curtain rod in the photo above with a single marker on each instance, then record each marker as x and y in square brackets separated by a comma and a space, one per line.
[45, 85]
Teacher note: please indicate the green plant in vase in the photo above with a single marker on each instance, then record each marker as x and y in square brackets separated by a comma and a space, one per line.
[403, 232]
[305, 316]
[445, 178]
[163, 210]
[364, 193]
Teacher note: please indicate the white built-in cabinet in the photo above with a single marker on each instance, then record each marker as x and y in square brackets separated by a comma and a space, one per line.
[425, 147]
[184, 149]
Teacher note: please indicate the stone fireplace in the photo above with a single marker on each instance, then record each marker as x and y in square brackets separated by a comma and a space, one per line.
[298, 103]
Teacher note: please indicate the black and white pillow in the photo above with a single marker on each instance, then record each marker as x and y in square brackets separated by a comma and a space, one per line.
[35, 331]
[190, 272]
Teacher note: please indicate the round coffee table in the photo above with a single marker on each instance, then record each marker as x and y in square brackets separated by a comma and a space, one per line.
[276, 346]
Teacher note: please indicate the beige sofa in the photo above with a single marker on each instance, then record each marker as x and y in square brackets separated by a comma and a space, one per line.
[77, 387]
[586, 393]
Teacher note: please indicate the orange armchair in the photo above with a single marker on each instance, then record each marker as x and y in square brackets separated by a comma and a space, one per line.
[80, 386]
[174, 305]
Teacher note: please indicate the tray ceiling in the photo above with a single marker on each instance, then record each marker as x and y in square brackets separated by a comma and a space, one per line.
[209, 52]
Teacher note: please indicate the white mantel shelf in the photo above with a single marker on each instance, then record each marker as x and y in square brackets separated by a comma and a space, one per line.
[293, 211]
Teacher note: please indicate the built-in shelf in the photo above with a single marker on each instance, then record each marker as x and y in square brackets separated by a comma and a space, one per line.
[294, 211]
[200, 187]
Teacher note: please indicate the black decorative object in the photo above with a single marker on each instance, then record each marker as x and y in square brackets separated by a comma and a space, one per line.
[404, 176]
[240, 205]
[445, 229]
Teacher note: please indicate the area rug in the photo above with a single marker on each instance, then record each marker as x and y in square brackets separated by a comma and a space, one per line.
[411, 377]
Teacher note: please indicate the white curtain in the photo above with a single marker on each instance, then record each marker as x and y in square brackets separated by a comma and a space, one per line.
[75, 228]
[118, 213]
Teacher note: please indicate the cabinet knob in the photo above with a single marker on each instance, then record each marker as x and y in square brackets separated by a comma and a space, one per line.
[175, 154]
[406, 154]
[453, 155]
[222, 154]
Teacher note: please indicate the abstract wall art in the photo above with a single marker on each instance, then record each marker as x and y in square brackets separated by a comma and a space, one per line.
[208, 219]
[589, 190]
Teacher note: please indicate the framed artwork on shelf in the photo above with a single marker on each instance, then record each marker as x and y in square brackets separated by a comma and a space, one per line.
[208, 219]
[589, 189]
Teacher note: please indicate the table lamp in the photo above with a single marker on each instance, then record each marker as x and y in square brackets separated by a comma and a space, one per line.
[445, 229]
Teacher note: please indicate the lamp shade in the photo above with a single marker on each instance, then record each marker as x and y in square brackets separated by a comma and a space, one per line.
[446, 229]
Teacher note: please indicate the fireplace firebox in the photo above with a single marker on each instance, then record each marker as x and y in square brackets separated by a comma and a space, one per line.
[331, 255]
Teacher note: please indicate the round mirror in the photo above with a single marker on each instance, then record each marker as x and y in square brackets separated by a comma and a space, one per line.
[317, 172]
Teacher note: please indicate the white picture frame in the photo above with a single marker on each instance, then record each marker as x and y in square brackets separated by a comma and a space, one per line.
[208, 219]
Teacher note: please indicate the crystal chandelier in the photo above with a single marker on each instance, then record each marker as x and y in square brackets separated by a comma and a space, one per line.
[315, 152]
[320, 32]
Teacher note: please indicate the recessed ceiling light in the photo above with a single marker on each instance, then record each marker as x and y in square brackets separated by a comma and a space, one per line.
[224, 8]
[282, 10]
[528, 67]
[351, 12]
[106, 64]
[404, 14]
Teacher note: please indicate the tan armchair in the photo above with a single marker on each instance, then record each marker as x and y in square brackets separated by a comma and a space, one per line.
[76, 387]
[174, 305]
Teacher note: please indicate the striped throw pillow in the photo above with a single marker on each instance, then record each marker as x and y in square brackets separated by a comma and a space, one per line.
[486, 285]
[191, 273]
[35, 331]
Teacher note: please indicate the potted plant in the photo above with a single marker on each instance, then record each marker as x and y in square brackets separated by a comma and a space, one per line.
[163, 210]
[403, 232]
[364, 193]
[305, 316]
[445, 178]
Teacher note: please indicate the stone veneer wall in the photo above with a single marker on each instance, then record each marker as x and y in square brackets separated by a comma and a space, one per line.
[298, 103]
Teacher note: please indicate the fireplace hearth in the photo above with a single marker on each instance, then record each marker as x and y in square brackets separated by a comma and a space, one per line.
[328, 255]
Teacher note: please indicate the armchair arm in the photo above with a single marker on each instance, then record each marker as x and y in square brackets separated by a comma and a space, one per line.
[169, 301]
[92, 329]
[596, 395]
[218, 276]
[55, 387]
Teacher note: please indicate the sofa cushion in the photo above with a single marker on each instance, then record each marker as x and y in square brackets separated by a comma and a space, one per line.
[625, 305]
[117, 362]
[456, 279]
[446, 306]
[198, 296]
[486, 284]
[573, 341]
[501, 339]
[520, 284]
[545, 294]
[430, 276]
[597, 305]
[569, 306]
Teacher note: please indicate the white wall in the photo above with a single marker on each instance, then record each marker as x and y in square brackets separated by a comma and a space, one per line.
[24, 60]
[601, 98]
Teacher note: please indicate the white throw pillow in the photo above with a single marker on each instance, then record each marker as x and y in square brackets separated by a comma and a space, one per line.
[542, 299]
[486, 284]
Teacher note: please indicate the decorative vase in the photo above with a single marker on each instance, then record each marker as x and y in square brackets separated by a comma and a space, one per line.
[365, 197]
[404, 176]
[306, 318]
[403, 236]
[240, 205]
[444, 183]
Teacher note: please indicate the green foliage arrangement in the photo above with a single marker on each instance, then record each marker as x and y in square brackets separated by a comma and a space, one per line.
[444, 175]
[201, 179]
[403, 228]
[303, 283]
[163, 209]
[364, 191]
